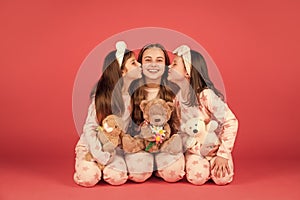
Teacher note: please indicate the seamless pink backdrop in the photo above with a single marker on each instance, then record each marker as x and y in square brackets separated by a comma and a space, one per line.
[255, 45]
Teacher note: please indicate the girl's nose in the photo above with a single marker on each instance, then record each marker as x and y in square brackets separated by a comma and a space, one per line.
[154, 64]
[170, 66]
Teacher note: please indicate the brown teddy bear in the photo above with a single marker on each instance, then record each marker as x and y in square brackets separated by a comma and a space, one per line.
[109, 134]
[155, 132]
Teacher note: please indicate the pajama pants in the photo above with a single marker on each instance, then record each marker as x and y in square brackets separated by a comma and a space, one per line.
[198, 170]
[141, 165]
[88, 174]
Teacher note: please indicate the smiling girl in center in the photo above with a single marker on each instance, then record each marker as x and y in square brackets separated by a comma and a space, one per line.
[153, 84]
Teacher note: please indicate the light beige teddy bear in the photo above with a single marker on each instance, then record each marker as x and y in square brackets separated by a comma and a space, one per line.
[197, 133]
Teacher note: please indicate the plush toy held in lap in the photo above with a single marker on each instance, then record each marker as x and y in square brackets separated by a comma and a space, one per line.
[200, 137]
[155, 130]
[109, 134]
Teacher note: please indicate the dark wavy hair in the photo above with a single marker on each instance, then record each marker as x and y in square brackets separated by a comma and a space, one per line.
[199, 79]
[108, 94]
[138, 93]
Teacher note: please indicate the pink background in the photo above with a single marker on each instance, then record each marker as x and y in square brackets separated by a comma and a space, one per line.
[255, 45]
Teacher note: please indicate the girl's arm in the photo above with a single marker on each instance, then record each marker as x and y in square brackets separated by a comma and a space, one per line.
[228, 123]
[90, 135]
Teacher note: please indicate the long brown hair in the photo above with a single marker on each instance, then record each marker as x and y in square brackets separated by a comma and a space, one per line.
[199, 79]
[138, 93]
[108, 95]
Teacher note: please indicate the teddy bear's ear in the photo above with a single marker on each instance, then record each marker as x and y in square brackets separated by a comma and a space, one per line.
[143, 105]
[171, 105]
[119, 122]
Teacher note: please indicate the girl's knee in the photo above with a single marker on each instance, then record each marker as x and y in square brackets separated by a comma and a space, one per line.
[223, 180]
[198, 178]
[228, 176]
[139, 165]
[87, 174]
[139, 177]
[114, 176]
[84, 181]
[170, 175]
[197, 170]
[174, 172]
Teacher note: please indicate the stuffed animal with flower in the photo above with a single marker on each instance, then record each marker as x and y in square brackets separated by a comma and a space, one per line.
[155, 130]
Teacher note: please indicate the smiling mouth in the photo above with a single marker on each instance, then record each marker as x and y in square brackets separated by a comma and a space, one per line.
[153, 70]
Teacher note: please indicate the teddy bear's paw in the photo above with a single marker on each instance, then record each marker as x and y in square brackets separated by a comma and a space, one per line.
[111, 158]
[132, 145]
[89, 157]
[187, 141]
[151, 147]
[208, 148]
[146, 132]
[173, 145]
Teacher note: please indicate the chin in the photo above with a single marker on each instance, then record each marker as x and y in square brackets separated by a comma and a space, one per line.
[153, 76]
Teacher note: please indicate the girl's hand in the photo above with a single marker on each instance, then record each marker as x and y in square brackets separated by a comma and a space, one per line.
[220, 167]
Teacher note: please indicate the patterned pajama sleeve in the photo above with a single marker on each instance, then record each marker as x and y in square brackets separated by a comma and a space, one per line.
[90, 135]
[223, 115]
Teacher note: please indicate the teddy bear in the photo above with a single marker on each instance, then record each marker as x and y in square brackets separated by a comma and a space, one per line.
[155, 134]
[109, 135]
[201, 136]
[192, 127]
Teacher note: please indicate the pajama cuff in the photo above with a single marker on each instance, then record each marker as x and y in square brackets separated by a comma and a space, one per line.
[223, 155]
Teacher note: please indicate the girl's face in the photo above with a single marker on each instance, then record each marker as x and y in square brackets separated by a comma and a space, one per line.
[153, 64]
[177, 71]
[133, 68]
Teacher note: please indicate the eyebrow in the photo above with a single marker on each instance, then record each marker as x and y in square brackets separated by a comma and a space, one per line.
[131, 59]
[156, 57]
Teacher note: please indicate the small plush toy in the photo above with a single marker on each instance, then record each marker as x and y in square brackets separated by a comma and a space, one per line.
[192, 127]
[155, 132]
[200, 135]
[109, 134]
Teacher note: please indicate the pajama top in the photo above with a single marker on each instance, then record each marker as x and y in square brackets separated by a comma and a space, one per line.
[212, 107]
[89, 136]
